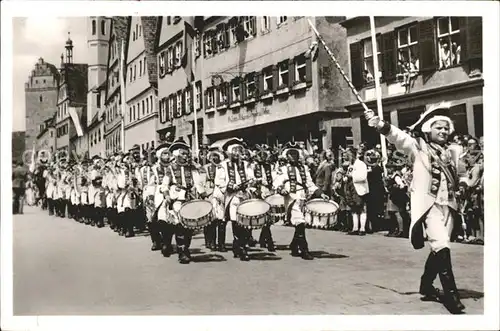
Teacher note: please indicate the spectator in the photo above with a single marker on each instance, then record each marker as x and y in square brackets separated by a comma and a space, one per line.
[19, 177]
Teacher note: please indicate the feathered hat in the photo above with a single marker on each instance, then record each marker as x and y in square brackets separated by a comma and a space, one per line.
[177, 146]
[290, 147]
[434, 113]
[214, 150]
[231, 143]
[161, 148]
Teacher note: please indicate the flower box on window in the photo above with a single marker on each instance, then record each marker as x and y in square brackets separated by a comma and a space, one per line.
[298, 85]
[266, 94]
[235, 104]
[282, 89]
[250, 100]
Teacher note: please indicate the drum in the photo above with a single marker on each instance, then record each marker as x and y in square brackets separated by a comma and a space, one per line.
[196, 214]
[253, 213]
[277, 211]
[321, 213]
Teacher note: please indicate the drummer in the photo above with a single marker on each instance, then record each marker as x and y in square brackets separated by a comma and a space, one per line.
[239, 175]
[295, 184]
[264, 176]
[215, 233]
[184, 183]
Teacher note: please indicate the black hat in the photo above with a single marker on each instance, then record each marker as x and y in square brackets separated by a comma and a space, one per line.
[178, 144]
[231, 142]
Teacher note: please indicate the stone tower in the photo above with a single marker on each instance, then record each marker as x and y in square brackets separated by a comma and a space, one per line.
[98, 32]
[41, 98]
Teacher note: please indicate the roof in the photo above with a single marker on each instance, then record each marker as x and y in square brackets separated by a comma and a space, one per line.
[149, 27]
[75, 77]
[352, 21]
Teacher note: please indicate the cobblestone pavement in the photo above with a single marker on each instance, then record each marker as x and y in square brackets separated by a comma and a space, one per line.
[62, 267]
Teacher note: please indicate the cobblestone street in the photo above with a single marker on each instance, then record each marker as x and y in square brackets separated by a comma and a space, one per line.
[66, 268]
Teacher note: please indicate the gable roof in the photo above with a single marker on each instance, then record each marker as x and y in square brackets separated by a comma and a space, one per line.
[120, 26]
[149, 30]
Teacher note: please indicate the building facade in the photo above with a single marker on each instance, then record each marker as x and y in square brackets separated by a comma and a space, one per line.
[176, 100]
[98, 35]
[71, 104]
[422, 61]
[40, 98]
[141, 83]
[113, 126]
[46, 138]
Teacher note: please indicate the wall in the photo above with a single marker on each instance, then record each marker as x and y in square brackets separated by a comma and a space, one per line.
[37, 112]
[96, 134]
[281, 43]
[141, 133]
[47, 141]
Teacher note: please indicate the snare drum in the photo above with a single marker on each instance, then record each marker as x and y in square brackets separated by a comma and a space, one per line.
[253, 213]
[196, 214]
[277, 211]
[321, 213]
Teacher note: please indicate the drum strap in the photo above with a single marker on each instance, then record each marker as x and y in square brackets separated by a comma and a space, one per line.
[293, 177]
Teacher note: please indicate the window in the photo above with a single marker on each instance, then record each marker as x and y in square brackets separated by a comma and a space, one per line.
[94, 27]
[143, 109]
[266, 23]
[198, 95]
[179, 104]
[281, 20]
[138, 110]
[162, 63]
[210, 98]
[162, 112]
[250, 82]
[41, 98]
[300, 69]
[170, 107]
[151, 103]
[130, 74]
[170, 59]
[222, 94]
[178, 53]
[44, 81]
[51, 134]
[177, 19]
[283, 74]
[98, 100]
[136, 30]
[207, 45]
[130, 114]
[449, 41]
[369, 72]
[197, 45]
[408, 50]
[147, 106]
[268, 79]
[144, 66]
[99, 134]
[135, 71]
[103, 28]
[140, 30]
[140, 68]
[133, 113]
[235, 88]
[169, 20]
[133, 36]
[187, 95]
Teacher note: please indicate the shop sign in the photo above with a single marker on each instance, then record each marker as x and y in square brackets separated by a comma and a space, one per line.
[184, 128]
[243, 116]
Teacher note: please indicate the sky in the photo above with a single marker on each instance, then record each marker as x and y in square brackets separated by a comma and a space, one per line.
[45, 37]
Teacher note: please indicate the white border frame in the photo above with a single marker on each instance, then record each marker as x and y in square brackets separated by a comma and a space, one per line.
[490, 13]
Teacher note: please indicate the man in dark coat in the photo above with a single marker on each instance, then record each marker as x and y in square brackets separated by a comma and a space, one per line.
[19, 177]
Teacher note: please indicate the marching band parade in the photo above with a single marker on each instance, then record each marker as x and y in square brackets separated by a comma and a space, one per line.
[175, 194]
[426, 185]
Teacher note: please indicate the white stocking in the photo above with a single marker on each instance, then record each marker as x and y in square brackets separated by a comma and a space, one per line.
[355, 221]
[362, 221]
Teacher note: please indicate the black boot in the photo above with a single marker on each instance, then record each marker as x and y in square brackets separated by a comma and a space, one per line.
[427, 289]
[244, 241]
[182, 248]
[268, 238]
[167, 234]
[294, 245]
[302, 241]
[205, 235]
[213, 236]
[221, 236]
[155, 236]
[129, 223]
[236, 243]
[451, 298]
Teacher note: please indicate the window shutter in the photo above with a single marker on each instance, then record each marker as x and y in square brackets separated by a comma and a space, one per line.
[427, 45]
[175, 105]
[291, 72]
[213, 38]
[183, 106]
[200, 106]
[162, 116]
[275, 78]
[309, 79]
[165, 108]
[474, 38]
[229, 95]
[356, 65]
[205, 96]
[389, 56]
[243, 89]
[259, 84]
[464, 51]
[192, 96]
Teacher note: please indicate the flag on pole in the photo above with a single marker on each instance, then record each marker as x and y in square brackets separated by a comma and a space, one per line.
[309, 147]
[188, 58]
[76, 121]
